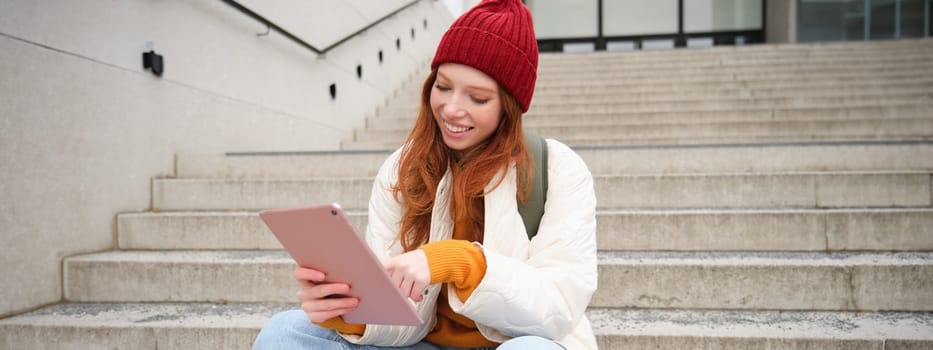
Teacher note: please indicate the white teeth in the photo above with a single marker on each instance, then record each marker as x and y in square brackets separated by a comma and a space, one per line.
[457, 129]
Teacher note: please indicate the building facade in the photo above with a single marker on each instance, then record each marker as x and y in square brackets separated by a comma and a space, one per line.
[614, 25]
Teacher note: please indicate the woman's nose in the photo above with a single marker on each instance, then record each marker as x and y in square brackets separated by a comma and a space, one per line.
[453, 107]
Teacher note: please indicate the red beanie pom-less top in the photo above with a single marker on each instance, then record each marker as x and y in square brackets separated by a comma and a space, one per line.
[498, 38]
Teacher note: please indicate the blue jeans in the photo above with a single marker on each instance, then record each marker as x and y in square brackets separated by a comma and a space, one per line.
[292, 330]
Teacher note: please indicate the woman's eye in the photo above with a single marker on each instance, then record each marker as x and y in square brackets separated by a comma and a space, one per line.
[481, 101]
[441, 88]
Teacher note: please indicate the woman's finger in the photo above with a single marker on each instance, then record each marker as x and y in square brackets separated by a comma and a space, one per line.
[304, 274]
[325, 305]
[405, 286]
[403, 282]
[321, 310]
[417, 291]
[410, 273]
[321, 291]
[396, 276]
[318, 317]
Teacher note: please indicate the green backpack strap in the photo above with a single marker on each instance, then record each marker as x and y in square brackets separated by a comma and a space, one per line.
[533, 209]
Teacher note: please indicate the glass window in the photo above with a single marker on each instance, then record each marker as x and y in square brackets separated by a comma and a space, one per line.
[639, 17]
[821, 20]
[826, 20]
[883, 19]
[912, 21]
[722, 15]
[564, 19]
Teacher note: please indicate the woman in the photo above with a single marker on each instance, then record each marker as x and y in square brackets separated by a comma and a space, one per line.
[443, 214]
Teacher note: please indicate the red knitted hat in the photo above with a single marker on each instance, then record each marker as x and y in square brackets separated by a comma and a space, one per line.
[498, 38]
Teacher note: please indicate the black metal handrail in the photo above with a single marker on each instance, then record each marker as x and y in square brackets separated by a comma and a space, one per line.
[272, 26]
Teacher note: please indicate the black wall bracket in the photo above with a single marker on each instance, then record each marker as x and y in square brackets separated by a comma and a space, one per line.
[153, 62]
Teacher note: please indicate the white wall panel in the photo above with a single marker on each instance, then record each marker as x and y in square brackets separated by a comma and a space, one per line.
[83, 128]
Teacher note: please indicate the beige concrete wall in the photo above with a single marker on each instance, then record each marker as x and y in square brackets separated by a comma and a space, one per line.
[83, 128]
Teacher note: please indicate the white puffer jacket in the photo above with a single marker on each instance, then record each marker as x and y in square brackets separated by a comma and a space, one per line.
[541, 287]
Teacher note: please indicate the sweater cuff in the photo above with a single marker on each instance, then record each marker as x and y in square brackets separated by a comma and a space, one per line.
[339, 325]
[458, 262]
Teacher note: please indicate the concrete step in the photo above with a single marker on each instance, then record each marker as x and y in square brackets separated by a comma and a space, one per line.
[872, 128]
[665, 91]
[738, 53]
[180, 276]
[725, 76]
[766, 230]
[729, 54]
[701, 280]
[198, 230]
[776, 330]
[690, 141]
[738, 190]
[760, 158]
[778, 190]
[702, 142]
[916, 64]
[665, 159]
[700, 58]
[280, 164]
[774, 68]
[619, 230]
[234, 326]
[859, 100]
[258, 194]
[909, 111]
[675, 104]
[649, 78]
[540, 119]
[757, 80]
[825, 49]
[773, 63]
[895, 89]
[748, 52]
[160, 326]
[738, 58]
[766, 281]
[724, 83]
[744, 55]
[399, 118]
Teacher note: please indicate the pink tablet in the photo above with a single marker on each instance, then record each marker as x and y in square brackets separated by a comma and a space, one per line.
[322, 238]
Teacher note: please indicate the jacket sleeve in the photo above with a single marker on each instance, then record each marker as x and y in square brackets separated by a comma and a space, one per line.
[339, 325]
[545, 294]
[384, 212]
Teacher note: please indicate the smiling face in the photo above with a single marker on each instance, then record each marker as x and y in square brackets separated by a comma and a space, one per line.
[466, 105]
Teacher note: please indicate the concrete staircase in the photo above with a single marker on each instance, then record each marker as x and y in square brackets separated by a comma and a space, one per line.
[768, 197]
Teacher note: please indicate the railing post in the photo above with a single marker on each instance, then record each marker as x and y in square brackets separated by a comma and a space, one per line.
[681, 39]
[926, 18]
[867, 12]
[897, 19]
[600, 44]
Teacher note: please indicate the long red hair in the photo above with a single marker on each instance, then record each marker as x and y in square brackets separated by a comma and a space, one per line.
[425, 158]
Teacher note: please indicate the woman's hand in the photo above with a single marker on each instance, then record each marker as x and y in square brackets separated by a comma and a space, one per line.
[322, 301]
[410, 273]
